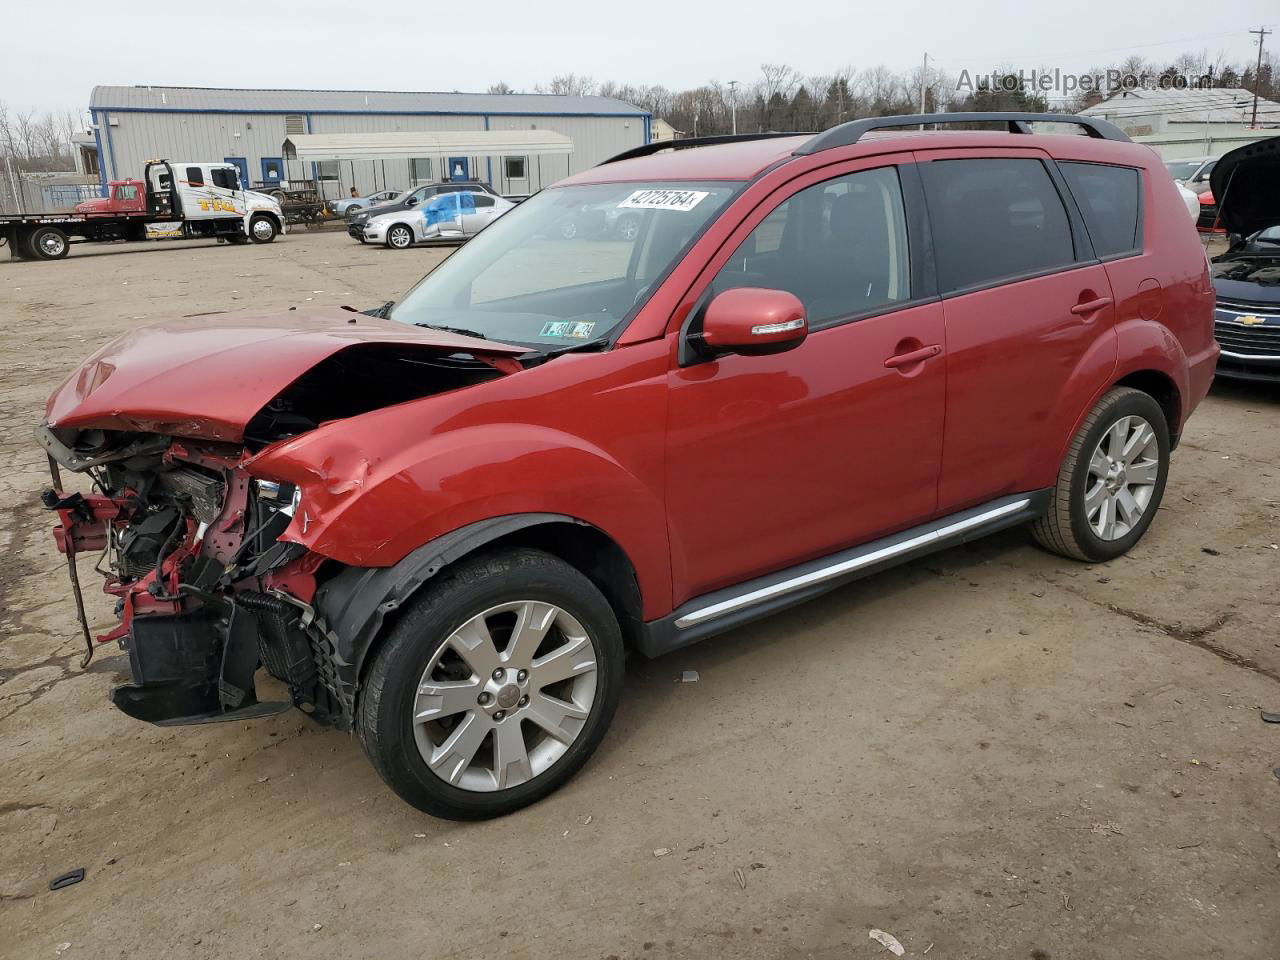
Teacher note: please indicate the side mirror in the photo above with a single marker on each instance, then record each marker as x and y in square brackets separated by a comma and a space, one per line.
[411, 202]
[754, 321]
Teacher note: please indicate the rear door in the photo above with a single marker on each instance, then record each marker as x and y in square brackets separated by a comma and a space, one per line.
[774, 460]
[478, 209]
[1029, 318]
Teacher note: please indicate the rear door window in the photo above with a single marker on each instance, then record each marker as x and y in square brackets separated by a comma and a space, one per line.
[195, 177]
[1108, 197]
[993, 219]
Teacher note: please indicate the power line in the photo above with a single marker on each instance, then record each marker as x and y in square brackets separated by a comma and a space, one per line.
[1257, 74]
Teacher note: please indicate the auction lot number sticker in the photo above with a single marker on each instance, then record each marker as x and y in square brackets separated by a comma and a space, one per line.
[681, 200]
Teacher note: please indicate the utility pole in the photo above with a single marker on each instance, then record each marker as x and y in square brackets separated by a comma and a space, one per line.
[1257, 74]
[924, 81]
[733, 104]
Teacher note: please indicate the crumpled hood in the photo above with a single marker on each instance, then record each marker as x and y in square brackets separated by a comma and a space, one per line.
[206, 377]
[1246, 183]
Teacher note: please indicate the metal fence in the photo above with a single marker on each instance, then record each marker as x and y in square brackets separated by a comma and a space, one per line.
[42, 193]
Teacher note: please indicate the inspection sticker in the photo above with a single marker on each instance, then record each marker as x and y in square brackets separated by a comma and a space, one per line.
[682, 200]
[574, 329]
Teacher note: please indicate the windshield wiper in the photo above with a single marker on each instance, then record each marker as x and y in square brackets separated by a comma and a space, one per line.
[462, 331]
[542, 355]
[380, 312]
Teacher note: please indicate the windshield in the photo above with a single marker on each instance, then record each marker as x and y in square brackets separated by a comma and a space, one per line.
[1182, 169]
[568, 266]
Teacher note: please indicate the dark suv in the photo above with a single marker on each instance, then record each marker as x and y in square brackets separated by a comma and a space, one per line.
[443, 522]
[414, 198]
[1247, 275]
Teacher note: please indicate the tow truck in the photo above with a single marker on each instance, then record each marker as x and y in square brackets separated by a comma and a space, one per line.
[205, 199]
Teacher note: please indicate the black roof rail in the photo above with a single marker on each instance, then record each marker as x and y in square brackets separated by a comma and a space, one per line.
[850, 133]
[646, 149]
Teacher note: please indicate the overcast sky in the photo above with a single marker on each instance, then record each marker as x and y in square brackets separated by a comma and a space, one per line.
[399, 45]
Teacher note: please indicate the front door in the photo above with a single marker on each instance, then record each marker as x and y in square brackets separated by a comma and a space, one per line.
[459, 168]
[774, 460]
[1029, 320]
[242, 165]
[272, 170]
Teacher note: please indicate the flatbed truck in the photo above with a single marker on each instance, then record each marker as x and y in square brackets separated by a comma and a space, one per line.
[206, 199]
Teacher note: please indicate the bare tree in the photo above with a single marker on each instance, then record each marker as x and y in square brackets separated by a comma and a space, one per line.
[500, 87]
[569, 85]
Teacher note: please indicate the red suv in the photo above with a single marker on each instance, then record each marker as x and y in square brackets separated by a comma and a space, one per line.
[442, 523]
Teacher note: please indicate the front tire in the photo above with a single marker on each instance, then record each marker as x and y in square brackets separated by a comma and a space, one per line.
[262, 229]
[494, 687]
[1111, 482]
[399, 237]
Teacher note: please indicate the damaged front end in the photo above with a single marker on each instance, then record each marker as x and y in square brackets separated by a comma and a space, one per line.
[205, 590]
[198, 544]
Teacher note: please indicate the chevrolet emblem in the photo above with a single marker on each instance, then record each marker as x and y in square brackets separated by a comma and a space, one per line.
[1250, 320]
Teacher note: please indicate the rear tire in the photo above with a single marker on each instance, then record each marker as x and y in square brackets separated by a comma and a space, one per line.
[48, 243]
[1111, 482]
[499, 698]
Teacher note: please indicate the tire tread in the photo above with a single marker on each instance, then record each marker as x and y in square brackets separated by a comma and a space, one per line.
[1052, 529]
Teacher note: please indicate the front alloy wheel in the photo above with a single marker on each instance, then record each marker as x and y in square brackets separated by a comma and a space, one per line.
[399, 237]
[505, 696]
[495, 685]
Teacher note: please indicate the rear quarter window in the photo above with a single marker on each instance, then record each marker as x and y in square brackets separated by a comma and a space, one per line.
[994, 218]
[1110, 200]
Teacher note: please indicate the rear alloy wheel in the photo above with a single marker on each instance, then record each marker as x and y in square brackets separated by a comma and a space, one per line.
[262, 229]
[1112, 480]
[495, 686]
[49, 243]
[399, 237]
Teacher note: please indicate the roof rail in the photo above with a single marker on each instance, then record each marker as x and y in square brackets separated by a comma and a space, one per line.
[646, 149]
[850, 133]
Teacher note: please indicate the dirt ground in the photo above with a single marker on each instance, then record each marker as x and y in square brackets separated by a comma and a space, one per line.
[988, 753]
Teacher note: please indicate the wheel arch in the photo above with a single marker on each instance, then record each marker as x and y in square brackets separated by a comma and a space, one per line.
[413, 239]
[269, 215]
[1161, 388]
[360, 604]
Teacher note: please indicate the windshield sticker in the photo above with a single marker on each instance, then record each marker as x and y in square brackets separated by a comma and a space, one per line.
[573, 329]
[682, 200]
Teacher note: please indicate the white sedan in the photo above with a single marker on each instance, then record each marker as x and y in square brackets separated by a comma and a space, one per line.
[449, 216]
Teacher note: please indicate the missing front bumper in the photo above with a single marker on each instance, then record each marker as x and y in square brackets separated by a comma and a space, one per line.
[193, 667]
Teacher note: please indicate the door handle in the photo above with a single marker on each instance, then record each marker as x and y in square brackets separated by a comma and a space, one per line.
[914, 356]
[1091, 306]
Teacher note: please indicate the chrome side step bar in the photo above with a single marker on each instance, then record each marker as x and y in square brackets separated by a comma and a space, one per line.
[724, 609]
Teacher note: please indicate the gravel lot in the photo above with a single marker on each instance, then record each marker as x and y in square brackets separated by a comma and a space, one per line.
[989, 753]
